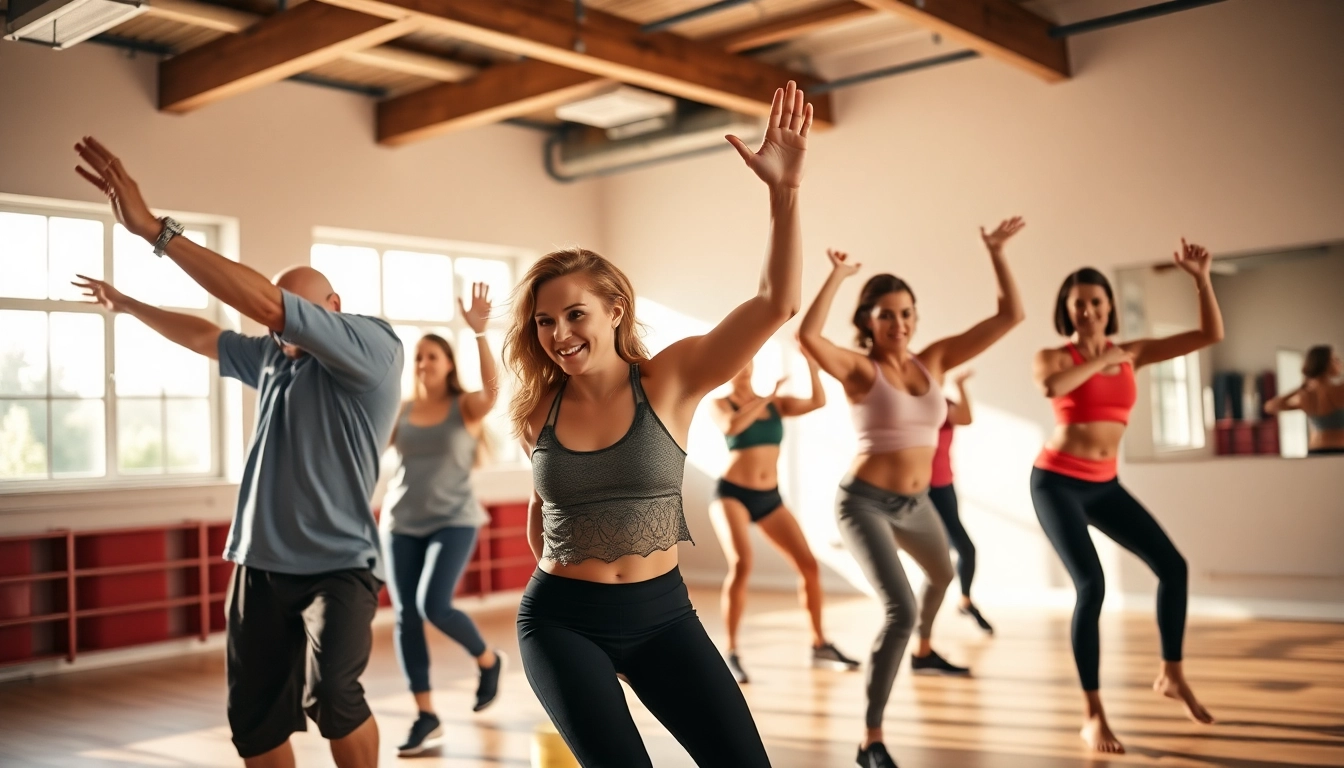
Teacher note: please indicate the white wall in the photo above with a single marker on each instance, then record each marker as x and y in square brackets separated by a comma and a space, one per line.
[1221, 124]
[281, 160]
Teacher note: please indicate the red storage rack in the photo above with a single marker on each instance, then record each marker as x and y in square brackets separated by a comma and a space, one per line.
[65, 592]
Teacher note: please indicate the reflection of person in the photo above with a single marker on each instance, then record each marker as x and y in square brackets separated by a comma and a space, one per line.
[883, 506]
[1321, 398]
[432, 517]
[1073, 485]
[943, 494]
[605, 425]
[748, 493]
[305, 588]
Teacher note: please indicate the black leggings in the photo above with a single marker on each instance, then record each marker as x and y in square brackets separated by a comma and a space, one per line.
[1066, 506]
[944, 500]
[575, 636]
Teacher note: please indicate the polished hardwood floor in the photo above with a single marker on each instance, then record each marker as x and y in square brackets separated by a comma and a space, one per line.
[1277, 689]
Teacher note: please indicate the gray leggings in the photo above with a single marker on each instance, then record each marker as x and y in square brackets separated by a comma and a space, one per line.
[875, 524]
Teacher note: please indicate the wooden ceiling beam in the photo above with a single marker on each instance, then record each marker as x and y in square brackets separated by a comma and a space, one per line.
[269, 51]
[605, 46]
[999, 29]
[793, 26]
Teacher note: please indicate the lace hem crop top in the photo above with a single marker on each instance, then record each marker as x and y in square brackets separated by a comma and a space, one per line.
[621, 500]
[888, 420]
[1104, 397]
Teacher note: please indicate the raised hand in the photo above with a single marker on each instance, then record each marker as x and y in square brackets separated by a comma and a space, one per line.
[1194, 259]
[1007, 228]
[840, 263]
[101, 293]
[779, 161]
[478, 314]
[111, 178]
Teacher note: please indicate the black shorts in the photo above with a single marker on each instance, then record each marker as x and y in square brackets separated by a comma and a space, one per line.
[296, 645]
[759, 504]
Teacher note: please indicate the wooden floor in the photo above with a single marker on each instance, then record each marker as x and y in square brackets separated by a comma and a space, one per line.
[1276, 687]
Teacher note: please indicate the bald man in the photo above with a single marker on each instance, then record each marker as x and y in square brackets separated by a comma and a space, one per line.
[308, 569]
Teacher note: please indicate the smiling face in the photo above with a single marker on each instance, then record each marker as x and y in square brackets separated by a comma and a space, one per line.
[892, 321]
[1089, 309]
[574, 326]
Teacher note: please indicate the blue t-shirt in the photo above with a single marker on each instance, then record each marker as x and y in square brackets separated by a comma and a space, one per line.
[322, 422]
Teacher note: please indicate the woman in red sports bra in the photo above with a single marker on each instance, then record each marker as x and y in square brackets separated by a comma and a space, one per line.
[1073, 486]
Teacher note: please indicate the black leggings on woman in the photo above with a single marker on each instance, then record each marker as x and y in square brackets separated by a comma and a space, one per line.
[944, 498]
[1066, 506]
[576, 636]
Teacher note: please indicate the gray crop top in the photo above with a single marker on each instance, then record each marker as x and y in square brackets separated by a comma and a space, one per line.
[621, 500]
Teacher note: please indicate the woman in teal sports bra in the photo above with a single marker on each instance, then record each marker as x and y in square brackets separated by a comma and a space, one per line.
[1321, 397]
[748, 493]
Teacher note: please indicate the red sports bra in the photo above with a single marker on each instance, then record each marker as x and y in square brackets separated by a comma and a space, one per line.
[1101, 398]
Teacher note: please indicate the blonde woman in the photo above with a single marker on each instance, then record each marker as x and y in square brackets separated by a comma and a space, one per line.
[605, 425]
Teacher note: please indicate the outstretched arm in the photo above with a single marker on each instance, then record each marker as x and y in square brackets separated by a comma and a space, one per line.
[1197, 262]
[242, 288]
[704, 362]
[842, 364]
[953, 351]
[475, 405]
[1056, 377]
[1289, 402]
[195, 333]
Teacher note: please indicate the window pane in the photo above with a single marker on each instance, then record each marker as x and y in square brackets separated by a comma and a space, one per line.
[417, 286]
[138, 273]
[23, 439]
[148, 364]
[23, 353]
[140, 436]
[77, 354]
[23, 255]
[76, 248]
[189, 435]
[353, 272]
[78, 439]
[493, 272]
[469, 360]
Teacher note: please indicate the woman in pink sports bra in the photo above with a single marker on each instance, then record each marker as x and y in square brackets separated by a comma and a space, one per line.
[897, 404]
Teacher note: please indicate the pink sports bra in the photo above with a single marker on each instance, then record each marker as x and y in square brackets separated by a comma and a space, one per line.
[888, 420]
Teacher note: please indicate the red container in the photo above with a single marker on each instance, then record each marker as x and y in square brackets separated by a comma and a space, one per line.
[1243, 438]
[1267, 437]
[508, 515]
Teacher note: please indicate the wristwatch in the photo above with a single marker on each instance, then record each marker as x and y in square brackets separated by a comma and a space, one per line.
[171, 228]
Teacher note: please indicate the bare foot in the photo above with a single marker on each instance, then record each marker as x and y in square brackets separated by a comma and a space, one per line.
[1180, 690]
[1098, 736]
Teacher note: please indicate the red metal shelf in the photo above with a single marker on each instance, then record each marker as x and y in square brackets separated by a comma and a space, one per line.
[29, 578]
[166, 565]
[45, 618]
[113, 610]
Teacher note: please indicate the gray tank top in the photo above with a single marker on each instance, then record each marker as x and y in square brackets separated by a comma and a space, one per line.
[624, 499]
[431, 488]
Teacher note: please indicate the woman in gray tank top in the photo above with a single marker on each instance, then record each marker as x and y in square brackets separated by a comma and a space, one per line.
[431, 516]
[605, 425]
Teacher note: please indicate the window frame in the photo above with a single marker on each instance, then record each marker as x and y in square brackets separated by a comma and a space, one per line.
[222, 236]
[507, 454]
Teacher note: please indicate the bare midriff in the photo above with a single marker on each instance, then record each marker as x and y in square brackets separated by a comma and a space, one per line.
[906, 471]
[1093, 440]
[1325, 438]
[756, 467]
[624, 570]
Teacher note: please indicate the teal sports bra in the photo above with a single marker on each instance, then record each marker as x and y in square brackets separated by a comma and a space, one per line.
[767, 431]
[1326, 421]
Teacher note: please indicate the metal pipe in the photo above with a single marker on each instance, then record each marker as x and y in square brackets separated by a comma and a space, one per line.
[680, 18]
[1125, 17]
[548, 160]
[899, 69]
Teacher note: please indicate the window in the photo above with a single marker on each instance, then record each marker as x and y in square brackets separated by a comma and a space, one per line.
[1178, 417]
[414, 284]
[86, 396]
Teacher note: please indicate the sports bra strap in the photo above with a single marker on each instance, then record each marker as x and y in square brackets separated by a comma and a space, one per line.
[1077, 355]
[636, 385]
[555, 404]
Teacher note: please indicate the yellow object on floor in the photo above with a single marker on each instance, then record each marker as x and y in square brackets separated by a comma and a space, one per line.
[549, 750]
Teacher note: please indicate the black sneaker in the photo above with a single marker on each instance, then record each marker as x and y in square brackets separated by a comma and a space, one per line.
[974, 613]
[875, 756]
[830, 657]
[735, 667]
[488, 687]
[425, 734]
[933, 664]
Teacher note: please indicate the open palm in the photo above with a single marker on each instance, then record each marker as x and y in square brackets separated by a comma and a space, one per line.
[478, 314]
[840, 263]
[111, 178]
[100, 292]
[1006, 229]
[1194, 259]
[779, 161]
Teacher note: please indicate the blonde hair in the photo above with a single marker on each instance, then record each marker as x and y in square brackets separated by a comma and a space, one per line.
[523, 354]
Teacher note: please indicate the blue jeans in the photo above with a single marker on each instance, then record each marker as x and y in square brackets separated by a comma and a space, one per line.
[425, 572]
